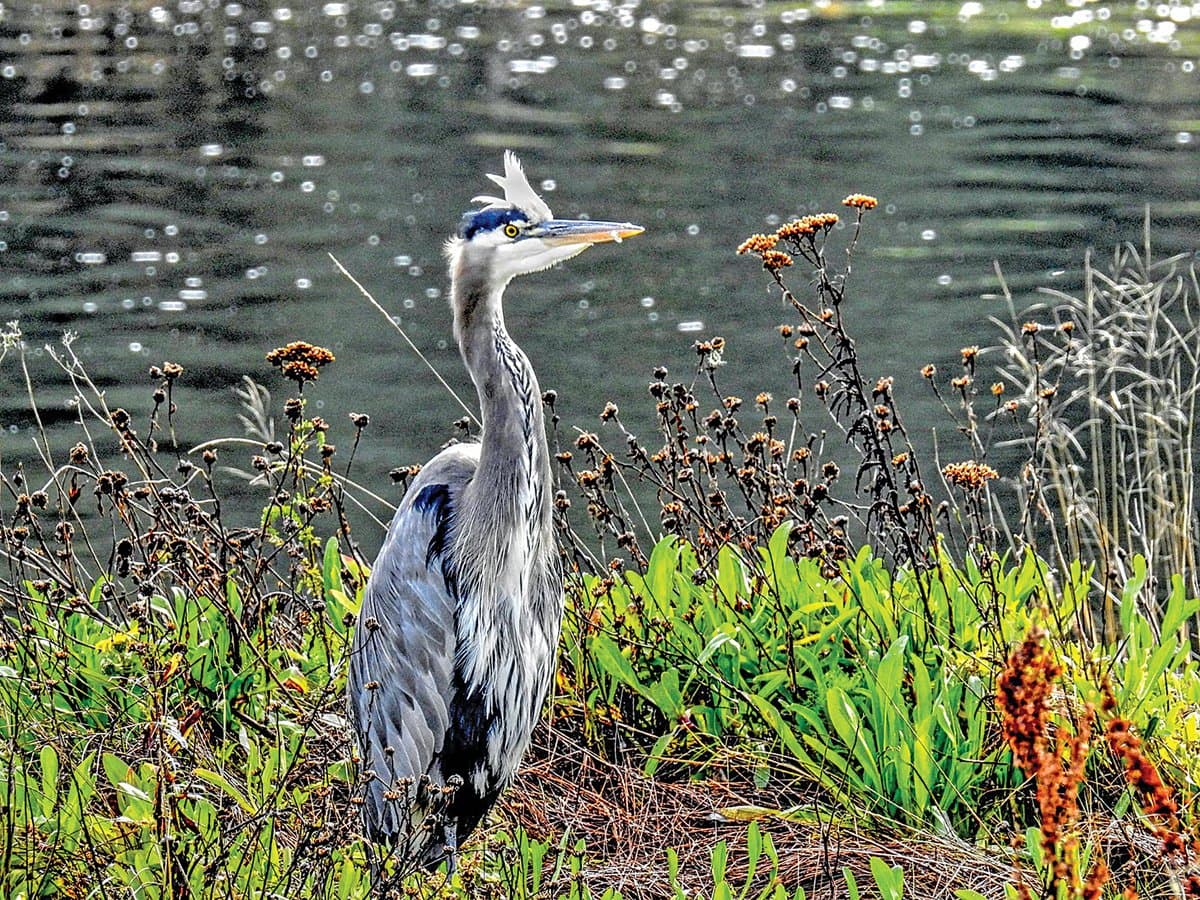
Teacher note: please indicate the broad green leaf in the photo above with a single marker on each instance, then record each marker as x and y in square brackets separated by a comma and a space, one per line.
[889, 879]
[720, 856]
[614, 662]
[49, 760]
[848, 726]
[772, 717]
[216, 779]
[655, 757]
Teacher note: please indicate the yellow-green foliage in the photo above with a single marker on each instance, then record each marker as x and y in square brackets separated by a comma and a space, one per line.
[876, 685]
[189, 746]
[173, 749]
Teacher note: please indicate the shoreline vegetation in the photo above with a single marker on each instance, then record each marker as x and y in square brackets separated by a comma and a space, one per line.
[801, 658]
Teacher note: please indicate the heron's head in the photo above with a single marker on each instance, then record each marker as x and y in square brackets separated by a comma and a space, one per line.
[517, 234]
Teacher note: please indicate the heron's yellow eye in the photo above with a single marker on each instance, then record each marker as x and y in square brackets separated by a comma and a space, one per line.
[511, 230]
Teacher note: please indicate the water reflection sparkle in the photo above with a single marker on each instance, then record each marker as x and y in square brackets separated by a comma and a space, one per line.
[172, 176]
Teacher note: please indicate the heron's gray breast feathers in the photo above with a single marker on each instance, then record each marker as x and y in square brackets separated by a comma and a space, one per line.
[455, 643]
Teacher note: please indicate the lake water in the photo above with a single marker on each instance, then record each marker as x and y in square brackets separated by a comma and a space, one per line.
[172, 178]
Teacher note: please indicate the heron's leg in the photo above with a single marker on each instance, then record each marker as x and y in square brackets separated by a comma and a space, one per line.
[451, 848]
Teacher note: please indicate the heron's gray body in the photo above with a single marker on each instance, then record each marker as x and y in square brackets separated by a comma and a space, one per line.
[461, 615]
[454, 648]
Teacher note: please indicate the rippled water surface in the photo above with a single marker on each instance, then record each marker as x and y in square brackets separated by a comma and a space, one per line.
[172, 178]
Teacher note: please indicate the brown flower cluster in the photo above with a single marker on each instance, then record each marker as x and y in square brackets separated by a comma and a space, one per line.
[758, 243]
[969, 475]
[300, 361]
[774, 260]
[861, 201]
[807, 226]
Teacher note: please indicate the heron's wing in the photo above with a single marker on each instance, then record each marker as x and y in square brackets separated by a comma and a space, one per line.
[402, 659]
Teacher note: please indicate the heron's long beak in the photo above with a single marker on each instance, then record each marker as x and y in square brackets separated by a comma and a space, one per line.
[558, 232]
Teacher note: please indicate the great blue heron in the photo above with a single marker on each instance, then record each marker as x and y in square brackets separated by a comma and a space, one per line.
[455, 643]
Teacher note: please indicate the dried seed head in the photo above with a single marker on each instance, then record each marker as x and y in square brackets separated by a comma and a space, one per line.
[300, 351]
[299, 371]
[797, 229]
[861, 201]
[758, 243]
[969, 475]
[774, 260]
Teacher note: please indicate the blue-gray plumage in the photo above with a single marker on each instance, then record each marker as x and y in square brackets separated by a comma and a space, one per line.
[455, 643]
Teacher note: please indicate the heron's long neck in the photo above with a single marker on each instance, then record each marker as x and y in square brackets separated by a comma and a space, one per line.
[509, 496]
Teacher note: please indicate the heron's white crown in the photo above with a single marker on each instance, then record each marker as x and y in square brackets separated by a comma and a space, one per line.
[518, 192]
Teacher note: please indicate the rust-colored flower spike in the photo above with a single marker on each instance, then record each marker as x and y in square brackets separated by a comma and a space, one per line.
[758, 243]
[969, 475]
[1023, 699]
[1157, 798]
[861, 201]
